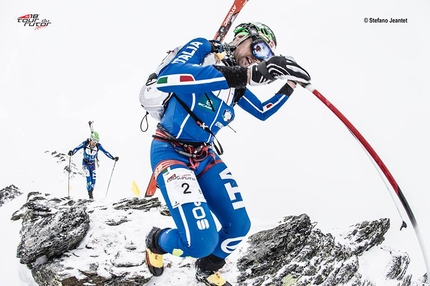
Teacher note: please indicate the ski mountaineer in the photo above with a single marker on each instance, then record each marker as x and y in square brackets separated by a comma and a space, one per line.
[91, 148]
[193, 179]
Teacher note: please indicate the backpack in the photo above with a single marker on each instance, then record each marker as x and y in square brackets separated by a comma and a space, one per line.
[152, 100]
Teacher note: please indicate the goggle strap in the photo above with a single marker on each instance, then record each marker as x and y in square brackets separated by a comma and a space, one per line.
[244, 38]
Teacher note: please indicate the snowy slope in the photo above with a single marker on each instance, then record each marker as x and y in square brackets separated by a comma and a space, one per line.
[178, 271]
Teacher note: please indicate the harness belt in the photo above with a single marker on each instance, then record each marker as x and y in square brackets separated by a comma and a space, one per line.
[195, 150]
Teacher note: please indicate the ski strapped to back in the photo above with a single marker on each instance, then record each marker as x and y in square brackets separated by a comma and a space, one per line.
[229, 19]
[90, 124]
[225, 26]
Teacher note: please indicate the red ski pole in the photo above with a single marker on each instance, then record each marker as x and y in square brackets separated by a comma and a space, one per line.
[382, 167]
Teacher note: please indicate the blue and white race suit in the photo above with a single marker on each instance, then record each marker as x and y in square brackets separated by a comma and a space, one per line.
[193, 179]
[89, 161]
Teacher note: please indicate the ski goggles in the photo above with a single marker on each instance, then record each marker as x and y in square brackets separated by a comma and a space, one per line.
[261, 50]
[259, 47]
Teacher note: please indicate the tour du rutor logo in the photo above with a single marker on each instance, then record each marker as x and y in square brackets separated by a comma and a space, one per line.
[32, 20]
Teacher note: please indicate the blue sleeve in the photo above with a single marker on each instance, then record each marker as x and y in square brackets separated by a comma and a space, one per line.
[261, 110]
[185, 73]
[82, 145]
[109, 155]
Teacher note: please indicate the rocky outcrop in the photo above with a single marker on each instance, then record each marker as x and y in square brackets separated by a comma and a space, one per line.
[50, 227]
[298, 253]
[68, 166]
[66, 242]
[60, 249]
[9, 193]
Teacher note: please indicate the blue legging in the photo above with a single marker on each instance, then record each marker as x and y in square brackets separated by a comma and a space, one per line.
[197, 234]
[90, 173]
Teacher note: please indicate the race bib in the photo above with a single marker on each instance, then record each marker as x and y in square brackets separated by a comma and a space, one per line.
[182, 187]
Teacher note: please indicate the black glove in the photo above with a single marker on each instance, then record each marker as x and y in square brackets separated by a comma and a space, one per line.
[70, 153]
[218, 47]
[287, 88]
[278, 67]
[116, 158]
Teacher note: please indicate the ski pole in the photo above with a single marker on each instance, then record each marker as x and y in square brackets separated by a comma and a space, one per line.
[110, 179]
[68, 178]
[395, 187]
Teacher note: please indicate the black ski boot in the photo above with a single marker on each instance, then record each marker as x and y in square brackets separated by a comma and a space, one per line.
[207, 271]
[154, 253]
[90, 194]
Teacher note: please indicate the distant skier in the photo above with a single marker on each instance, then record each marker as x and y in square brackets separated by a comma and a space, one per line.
[195, 182]
[91, 148]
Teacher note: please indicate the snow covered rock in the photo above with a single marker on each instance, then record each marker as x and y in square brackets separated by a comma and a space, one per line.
[9, 193]
[67, 242]
[50, 227]
[68, 166]
[296, 253]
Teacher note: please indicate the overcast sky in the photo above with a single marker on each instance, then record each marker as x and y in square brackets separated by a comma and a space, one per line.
[90, 62]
